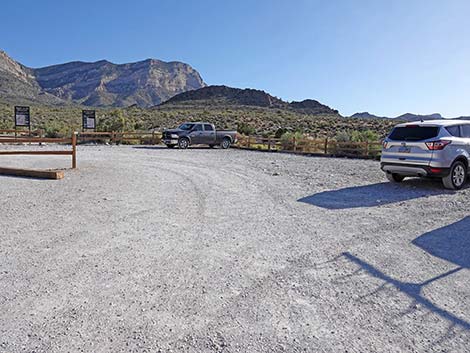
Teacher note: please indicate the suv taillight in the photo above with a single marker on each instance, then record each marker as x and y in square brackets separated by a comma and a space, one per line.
[437, 145]
[385, 145]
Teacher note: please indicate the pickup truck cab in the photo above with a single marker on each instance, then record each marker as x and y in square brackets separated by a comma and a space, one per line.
[198, 133]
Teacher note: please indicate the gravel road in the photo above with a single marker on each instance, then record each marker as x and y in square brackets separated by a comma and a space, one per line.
[147, 249]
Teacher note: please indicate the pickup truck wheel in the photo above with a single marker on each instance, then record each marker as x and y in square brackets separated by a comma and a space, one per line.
[226, 143]
[457, 176]
[170, 146]
[183, 143]
[394, 178]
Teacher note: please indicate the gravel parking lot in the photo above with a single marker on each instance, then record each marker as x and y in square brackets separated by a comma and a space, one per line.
[146, 249]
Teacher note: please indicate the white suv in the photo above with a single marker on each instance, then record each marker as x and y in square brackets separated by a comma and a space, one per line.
[434, 148]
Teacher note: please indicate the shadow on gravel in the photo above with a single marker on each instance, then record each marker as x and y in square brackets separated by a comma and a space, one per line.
[375, 194]
[451, 243]
[24, 177]
[413, 290]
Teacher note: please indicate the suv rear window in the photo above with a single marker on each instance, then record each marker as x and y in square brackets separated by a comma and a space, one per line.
[414, 133]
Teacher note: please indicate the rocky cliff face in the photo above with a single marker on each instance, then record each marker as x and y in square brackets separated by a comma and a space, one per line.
[145, 83]
[18, 84]
[15, 69]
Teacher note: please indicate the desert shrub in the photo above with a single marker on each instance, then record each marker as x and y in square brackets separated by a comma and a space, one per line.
[364, 136]
[356, 136]
[245, 129]
[54, 129]
[116, 120]
[287, 139]
[279, 132]
[5, 124]
[345, 142]
[52, 133]
[249, 120]
[343, 136]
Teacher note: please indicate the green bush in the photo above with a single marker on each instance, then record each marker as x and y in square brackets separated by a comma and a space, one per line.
[5, 124]
[343, 136]
[364, 136]
[356, 136]
[116, 120]
[287, 139]
[54, 129]
[279, 132]
[246, 129]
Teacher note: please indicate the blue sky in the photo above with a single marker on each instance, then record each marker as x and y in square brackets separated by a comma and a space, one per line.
[387, 57]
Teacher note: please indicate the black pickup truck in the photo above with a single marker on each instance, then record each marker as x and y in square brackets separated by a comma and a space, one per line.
[198, 133]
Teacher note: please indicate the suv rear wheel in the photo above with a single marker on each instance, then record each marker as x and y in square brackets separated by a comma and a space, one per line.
[457, 176]
[394, 177]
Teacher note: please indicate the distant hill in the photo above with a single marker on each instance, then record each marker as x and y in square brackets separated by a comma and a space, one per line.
[101, 84]
[226, 96]
[404, 117]
[223, 96]
[310, 106]
[415, 117]
[366, 115]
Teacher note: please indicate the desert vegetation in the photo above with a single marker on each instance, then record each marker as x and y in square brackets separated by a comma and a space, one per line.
[247, 120]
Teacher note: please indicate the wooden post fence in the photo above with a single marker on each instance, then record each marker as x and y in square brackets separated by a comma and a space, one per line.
[315, 146]
[74, 150]
[72, 140]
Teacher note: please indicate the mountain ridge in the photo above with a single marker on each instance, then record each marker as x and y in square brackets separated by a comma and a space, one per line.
[406, 117]
[147, 83]
[99, 83]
